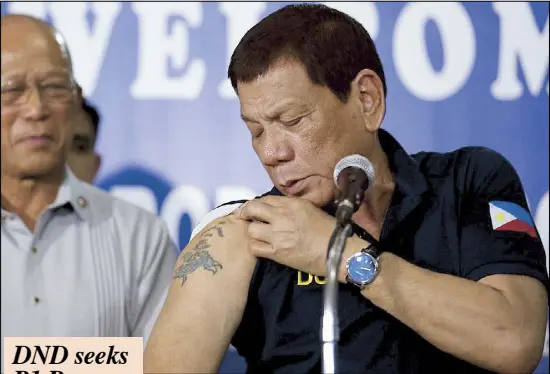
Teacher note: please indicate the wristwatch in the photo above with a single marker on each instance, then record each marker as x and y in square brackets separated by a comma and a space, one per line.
[362, 268]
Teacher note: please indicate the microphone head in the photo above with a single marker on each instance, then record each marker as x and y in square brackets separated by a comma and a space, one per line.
[354, 161]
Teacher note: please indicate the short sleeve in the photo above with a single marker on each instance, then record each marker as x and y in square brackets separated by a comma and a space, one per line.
[497, 231]
[154, 277]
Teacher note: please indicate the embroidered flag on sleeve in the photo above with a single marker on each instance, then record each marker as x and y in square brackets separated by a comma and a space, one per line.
[507, 216]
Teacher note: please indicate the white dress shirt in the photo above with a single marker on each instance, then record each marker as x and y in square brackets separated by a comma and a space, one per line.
[95, 266]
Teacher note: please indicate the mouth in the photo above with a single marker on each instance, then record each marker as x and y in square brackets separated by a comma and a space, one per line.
[294, 186]
[36, 140]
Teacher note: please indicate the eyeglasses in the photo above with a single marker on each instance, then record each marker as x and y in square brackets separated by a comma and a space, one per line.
[52, 91]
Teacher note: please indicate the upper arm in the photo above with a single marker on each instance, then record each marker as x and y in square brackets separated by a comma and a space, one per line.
[499, 243]
[527, 298]
[527, 301]
[205, 302]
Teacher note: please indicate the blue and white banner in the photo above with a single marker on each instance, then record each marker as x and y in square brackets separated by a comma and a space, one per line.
[171, 138]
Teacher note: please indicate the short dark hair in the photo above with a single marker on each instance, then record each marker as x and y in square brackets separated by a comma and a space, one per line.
[93, 113]
[332, 46]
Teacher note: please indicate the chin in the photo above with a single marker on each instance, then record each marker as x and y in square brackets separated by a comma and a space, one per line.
[40, 166]
[318, 197]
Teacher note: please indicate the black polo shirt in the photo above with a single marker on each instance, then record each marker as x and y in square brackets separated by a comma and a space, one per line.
[440, 219]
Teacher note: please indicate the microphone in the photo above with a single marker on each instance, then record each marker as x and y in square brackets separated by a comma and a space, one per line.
[352, 175]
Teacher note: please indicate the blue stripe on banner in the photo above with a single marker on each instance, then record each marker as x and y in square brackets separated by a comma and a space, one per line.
[515, 210]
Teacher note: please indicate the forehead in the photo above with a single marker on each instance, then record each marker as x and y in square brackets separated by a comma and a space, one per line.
[27, 48]
[285, 85]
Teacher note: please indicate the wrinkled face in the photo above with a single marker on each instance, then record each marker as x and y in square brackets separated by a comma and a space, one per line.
[82, 159]
[301, 130]
[37, 102]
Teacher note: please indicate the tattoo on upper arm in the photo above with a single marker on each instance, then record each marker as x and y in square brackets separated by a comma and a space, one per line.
[199, 257]
[217, 228]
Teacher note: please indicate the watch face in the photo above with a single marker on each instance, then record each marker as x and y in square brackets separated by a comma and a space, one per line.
[362, 268]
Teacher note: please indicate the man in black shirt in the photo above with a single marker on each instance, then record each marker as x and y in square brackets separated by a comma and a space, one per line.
[460, 284]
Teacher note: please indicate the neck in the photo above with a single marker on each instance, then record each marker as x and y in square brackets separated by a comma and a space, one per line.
[372, 211]
[28, 197]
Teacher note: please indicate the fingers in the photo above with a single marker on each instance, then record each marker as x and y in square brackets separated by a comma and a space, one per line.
[274, 200]
[259, 248]
[256, 210]
[261, 206]
[260, 231]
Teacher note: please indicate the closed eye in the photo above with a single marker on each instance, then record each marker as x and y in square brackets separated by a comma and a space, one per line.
[256, 133]
[55, 85]
[292, 122]
[9, 89]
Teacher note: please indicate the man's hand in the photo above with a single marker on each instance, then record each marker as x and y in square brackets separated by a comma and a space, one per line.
[290, 231]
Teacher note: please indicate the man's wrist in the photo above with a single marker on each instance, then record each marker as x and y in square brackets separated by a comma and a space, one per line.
[379, 291]
[389, 268]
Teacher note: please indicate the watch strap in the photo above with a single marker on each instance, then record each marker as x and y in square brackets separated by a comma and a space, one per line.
[372, 250]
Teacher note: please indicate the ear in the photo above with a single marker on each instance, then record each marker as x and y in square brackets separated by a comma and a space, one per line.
[368, 86]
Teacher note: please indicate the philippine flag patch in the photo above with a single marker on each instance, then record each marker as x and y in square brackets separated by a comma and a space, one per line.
[507, 216]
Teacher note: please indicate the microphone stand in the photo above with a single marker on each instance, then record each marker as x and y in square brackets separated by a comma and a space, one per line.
[330, 332]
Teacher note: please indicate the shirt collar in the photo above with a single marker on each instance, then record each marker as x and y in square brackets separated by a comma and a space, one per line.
[71, 193]
[411, 185]
[408, 176]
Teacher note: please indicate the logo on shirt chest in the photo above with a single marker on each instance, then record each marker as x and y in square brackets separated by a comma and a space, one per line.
[305, 279]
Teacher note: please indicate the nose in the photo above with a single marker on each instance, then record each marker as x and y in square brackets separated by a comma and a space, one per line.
[34, 108]
[275, 149]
